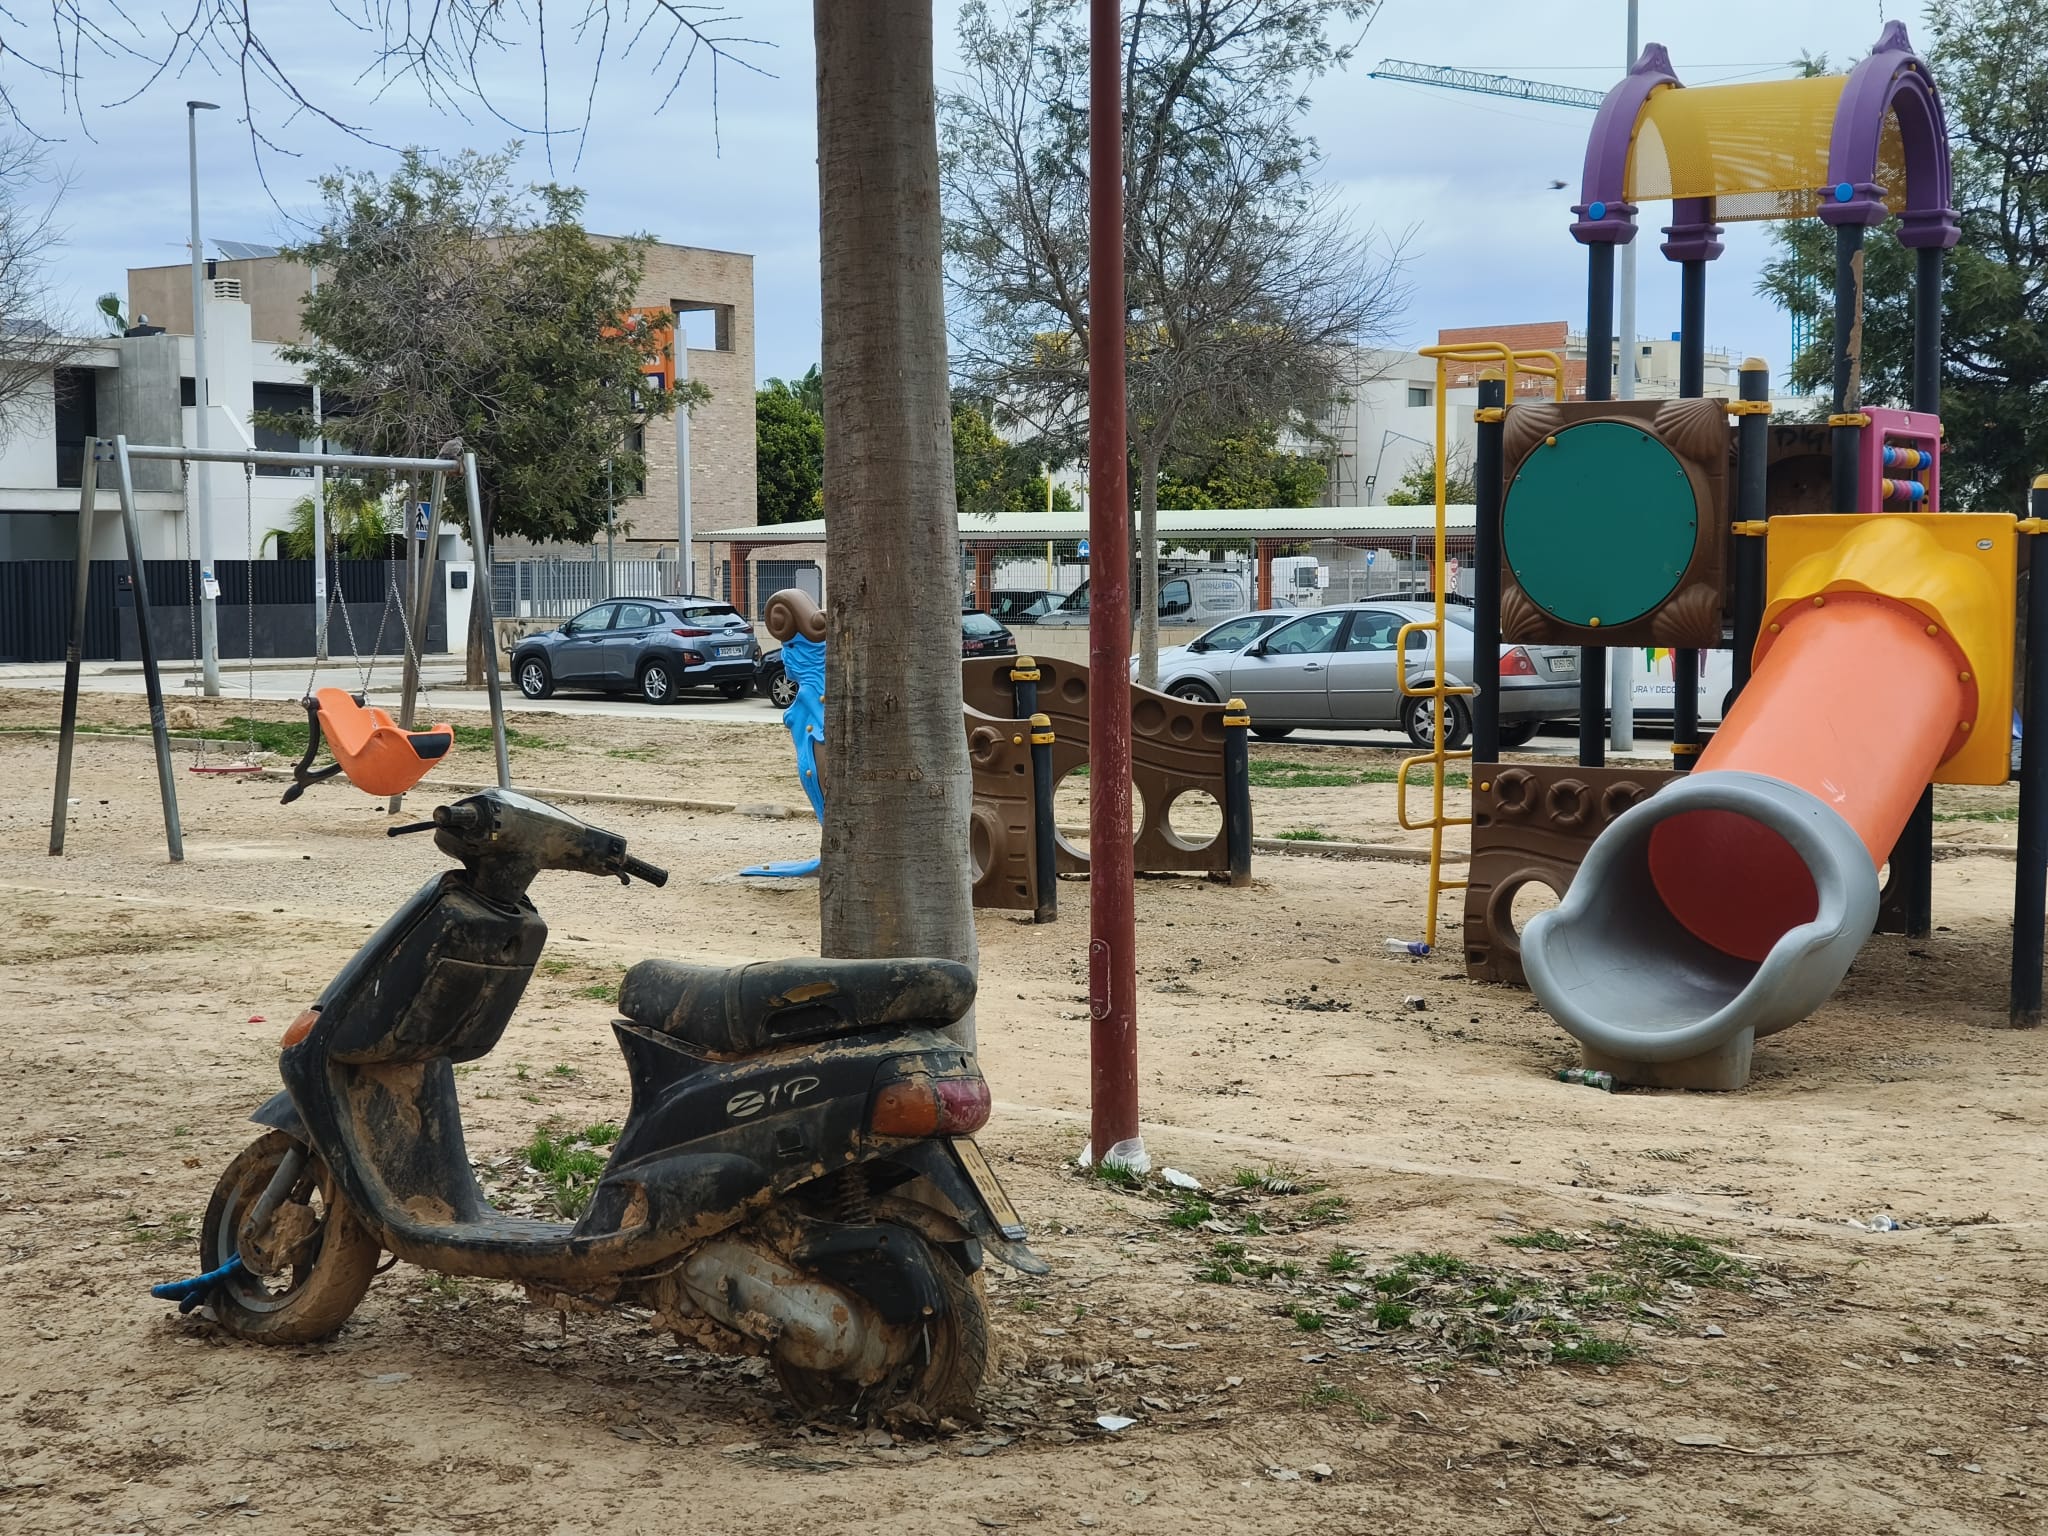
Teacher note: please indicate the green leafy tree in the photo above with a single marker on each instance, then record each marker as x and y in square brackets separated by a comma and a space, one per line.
[358, 523]
[1417, 485]
[454, 304]
[991, 475]
[789, 449]
[1993, 72]
[1246, 469]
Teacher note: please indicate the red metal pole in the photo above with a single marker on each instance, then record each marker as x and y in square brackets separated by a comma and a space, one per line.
[1112, 911]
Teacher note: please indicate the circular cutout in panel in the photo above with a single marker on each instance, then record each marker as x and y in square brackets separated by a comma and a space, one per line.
[1072, 804]
[1600, 524]
[1529, 897]
[1193, 819]
[1147, 716]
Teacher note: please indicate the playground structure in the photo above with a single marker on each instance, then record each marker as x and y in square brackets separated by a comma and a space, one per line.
[1178, 748]
[381, 756]
[1726, 898]
[1010, 827]
[1027, 730]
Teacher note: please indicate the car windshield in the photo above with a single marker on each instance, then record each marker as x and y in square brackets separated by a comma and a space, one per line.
[979, 625]
[1462, 617]
[1009, 603]
[1077, 600]
[1234, 635]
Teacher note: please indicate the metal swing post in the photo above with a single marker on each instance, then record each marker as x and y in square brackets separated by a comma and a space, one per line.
[153, 684]
[482, 583]
[74, 650]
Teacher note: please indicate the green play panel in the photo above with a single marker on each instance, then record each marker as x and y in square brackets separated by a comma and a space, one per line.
[1600, 524]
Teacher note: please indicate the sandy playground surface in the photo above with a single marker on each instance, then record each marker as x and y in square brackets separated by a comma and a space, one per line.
[1427, 1287]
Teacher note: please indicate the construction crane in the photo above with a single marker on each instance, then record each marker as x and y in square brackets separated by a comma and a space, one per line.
[1446, 78]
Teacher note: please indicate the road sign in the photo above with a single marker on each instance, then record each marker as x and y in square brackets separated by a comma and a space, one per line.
[1082, 550]
[1370, 555]
[422, 519]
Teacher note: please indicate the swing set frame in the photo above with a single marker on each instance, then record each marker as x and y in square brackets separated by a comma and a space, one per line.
[121, 454]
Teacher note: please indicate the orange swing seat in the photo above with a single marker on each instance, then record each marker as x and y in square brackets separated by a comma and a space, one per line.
[379, 756]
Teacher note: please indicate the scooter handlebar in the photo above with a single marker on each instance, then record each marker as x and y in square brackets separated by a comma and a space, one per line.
[640, 869]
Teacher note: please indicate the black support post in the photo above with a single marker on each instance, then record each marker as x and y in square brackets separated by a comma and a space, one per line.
[2030, 884]
[1237, 790]
[1692, 385]
[1752, 469]
[1024, 686]
[1044, 839]
[1487, 465]
[1599, 386]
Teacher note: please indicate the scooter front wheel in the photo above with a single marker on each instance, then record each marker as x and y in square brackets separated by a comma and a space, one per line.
[306, 1268]
[941, 1379]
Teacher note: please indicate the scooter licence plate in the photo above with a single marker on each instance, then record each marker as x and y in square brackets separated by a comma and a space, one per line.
[994, 1198]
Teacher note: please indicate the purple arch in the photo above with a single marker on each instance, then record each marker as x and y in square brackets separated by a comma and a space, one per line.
[1892, 79]
[1614, 130]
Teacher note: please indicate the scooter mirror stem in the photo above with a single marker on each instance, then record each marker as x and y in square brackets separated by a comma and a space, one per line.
[414, 826]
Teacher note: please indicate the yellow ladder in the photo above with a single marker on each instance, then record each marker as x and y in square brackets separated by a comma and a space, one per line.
[1511, 363]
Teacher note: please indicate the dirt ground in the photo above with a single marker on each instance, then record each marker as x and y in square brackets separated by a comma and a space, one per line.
[1795, 1372]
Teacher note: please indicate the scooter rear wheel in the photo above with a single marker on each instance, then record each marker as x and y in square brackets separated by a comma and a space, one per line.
[304, 1276]
[943, 1377]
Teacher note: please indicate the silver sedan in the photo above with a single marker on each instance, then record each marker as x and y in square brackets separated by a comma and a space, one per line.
[1338, 668]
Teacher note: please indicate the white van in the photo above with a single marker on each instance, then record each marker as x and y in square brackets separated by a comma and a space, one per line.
[1196, 598]
[1653, 689]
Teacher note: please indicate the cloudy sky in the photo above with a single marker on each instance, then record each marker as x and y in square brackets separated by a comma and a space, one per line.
[1468, 175]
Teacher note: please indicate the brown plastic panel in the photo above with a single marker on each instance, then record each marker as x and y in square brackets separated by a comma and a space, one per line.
[1534, 822]
[1005, 853]
[1176, 749]
[1696, 432]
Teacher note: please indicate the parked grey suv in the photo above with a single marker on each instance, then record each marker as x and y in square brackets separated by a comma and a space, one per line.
[653, 646]
[1337, 668]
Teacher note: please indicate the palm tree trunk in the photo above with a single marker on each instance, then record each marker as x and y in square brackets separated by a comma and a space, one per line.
[1148, 566]
[896, 874]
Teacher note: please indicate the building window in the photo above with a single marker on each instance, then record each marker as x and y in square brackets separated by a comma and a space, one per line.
[283, 400]
[1418, 394]
[77, 417]
[720, 315]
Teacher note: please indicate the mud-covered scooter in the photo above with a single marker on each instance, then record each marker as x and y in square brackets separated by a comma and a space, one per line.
[796, 1175]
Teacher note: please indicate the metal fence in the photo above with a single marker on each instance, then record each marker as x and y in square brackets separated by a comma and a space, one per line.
[560, 589]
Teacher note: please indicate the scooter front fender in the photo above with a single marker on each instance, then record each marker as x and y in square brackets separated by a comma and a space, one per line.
[281, 1114]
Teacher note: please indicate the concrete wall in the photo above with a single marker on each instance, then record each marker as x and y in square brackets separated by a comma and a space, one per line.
[28, 449]
[139, 401]
[272, 288]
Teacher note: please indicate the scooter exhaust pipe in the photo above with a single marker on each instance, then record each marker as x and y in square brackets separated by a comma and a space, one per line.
[804, 1321]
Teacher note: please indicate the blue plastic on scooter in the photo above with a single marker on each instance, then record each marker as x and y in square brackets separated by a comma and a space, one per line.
[803, 662]
[191, 1294]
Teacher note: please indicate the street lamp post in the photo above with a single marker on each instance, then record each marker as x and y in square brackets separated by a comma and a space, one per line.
[209, 618]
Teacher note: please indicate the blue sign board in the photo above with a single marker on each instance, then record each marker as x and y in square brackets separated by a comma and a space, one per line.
[1082, 551]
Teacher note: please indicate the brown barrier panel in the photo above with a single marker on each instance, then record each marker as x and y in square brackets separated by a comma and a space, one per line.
[1534, 822]
[1176, 750]
[1000, 826]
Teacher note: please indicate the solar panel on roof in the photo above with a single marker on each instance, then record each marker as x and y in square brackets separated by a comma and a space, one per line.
[243, 250]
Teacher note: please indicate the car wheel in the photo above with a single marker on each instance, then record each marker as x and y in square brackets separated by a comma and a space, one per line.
[1520, 734]
[1418, 719]
[535, 680]
[736, 691]
[781, 690]
[657, 683]
[1194, 693]
[1272, 732]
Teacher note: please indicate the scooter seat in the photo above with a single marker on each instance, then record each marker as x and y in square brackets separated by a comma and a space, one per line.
[770, 1003]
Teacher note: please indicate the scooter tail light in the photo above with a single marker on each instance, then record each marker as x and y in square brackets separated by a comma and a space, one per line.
[1516, 662]
[964, 1103]
[301, 1027]
[920, 1106]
